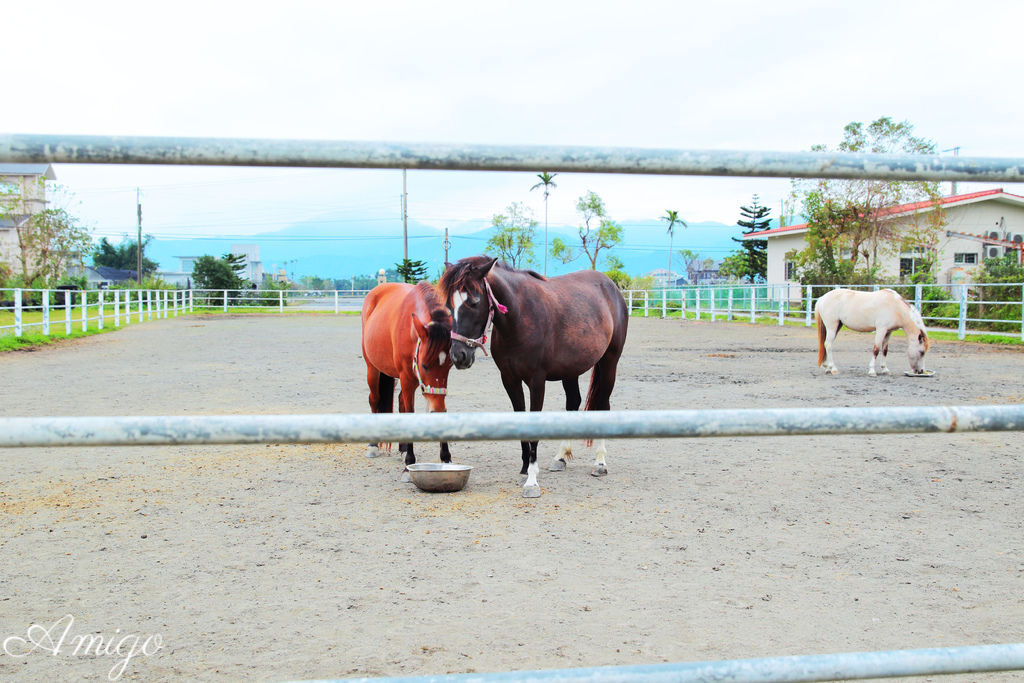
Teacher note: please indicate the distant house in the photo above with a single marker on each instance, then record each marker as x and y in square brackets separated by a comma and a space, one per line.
[662, 277]
[102, 277]
[970, 219]
[22, 194]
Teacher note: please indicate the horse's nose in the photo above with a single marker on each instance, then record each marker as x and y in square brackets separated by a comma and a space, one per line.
[462, 357]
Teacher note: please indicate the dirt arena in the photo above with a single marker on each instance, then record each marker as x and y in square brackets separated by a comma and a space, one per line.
[296, 562]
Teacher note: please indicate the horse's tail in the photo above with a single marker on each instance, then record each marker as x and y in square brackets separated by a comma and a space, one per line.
[821, 337]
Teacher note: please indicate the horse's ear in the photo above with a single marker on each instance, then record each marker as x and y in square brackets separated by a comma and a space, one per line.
[419, 327]
[486, 269]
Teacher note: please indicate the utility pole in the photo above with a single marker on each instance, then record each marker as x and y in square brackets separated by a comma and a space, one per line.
[405, 220]
[447, 244]
[956, 153]
[138, 251]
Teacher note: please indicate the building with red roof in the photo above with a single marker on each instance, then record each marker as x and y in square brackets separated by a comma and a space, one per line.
[980, 225]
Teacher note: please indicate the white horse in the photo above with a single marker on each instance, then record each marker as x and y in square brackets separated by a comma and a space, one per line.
[880, 312]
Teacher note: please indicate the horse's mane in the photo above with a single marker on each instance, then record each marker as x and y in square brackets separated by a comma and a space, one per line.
[464, 275]
[915, 315]
[439, 330]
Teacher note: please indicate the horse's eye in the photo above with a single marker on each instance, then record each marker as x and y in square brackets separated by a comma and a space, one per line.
[474, 300]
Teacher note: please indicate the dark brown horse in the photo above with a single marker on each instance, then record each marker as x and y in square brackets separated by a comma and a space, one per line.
[545, 330]
[406, 335]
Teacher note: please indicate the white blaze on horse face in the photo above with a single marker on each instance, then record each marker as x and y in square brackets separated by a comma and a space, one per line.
[442, 357]
[458, 298]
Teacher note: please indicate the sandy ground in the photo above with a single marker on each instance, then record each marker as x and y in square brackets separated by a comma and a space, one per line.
[293, 562]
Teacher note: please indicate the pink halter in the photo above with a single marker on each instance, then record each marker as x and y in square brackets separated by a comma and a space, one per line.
[492, 305]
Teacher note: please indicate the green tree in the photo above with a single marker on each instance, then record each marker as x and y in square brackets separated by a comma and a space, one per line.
[848, 226]
[597, 233]
[513, 241]
[750, 262]
[237, 263]
[215, 273]
[547, 182]
[617, 272]
[48, 242]
[689, 258]
[673, 219]
[411, 271]
[124, 255]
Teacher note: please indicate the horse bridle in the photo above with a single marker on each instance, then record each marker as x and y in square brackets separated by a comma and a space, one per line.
[492, 305]
[424, 387]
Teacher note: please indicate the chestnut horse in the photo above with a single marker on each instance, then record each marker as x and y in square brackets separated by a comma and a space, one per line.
[880, 312]
[545, 330]
[406, 335]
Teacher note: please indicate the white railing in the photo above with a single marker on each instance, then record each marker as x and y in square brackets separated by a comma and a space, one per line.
[64, 311]
[963, 307]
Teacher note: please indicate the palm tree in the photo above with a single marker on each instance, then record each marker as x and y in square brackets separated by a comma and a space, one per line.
[673, 219]
[545, 182]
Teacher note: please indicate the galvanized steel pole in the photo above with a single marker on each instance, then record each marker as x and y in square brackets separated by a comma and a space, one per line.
[828, 667]
[98, 149]
[497, 426]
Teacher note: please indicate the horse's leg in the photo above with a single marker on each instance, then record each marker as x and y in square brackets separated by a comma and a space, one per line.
[531, 489]
[830, 336]
[514, 389]
[881, 338]
[602, 381]
[407, 404]
[883, 368]
[572, 403]
[382, 395]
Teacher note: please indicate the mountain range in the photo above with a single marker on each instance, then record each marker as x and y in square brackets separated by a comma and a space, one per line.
[340, 247]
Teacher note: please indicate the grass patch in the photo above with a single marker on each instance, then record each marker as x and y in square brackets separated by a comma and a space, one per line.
[29, 340]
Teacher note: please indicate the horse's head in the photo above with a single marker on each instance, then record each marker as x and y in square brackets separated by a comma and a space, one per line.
[917, 341]
[466, 292]
[431, 361]
[917, 346]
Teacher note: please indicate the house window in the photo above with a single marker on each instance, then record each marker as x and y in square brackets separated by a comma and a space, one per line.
[790, 270]
[911, 261]
[965, 258]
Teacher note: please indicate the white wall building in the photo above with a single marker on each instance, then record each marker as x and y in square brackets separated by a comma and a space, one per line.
[992, 214]
[23, 193]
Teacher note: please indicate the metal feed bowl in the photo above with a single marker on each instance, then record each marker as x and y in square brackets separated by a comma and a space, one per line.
[439, 477]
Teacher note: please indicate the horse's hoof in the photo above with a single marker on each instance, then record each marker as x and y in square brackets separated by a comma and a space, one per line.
[885, 371]
[531, 491]
[372, 452]
[872, 373]
[557, 466]
[599, 471]
[833, 371]
[405, 478]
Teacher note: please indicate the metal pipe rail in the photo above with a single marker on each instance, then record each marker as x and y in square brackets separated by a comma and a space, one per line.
[98, 149]
[829, 667]
[341, 428]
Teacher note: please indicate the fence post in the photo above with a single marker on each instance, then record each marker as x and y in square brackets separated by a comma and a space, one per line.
[753, 302]
[17, 313]
[67, 311]
[917, 296]
[696, 304]
[335, 302]
[664, 304]
[191, 301]
[280, 301]
[149, 302]
[728, 315]
[225, 301]
[629, 302]
[46, 311]
[117, 308]
[780, 297]
[807, 314]
[961, 330]
[1022, 312]
[712, 293]
[140, 306]
[99, 309]
[85, 311]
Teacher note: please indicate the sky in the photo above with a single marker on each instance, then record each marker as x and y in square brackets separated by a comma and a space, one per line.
[730, 75]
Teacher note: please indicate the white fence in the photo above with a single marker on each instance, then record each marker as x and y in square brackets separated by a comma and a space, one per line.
[961, 306]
